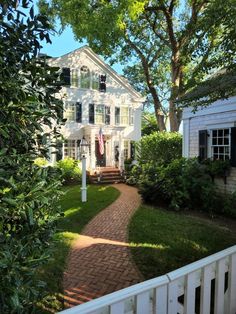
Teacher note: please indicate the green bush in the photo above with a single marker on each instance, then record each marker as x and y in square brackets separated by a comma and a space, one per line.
[70, 172]
[28, 194]
[159, 148]
[40, 162]
[183, 184]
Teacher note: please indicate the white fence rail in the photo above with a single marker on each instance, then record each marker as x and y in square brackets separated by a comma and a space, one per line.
[204, 287]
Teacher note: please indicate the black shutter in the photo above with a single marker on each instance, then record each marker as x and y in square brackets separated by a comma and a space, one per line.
[65, 76]
[202, 145]
[107, 115]
[233, 147]
[102, 83]
[91, 113]
[78, 112]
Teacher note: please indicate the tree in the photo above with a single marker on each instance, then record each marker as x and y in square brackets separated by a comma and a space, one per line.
[28, 194]
[172, 45]
[149, 124]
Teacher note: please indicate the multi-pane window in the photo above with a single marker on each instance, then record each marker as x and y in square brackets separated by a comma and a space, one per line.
[124, 115]
[126, 150]
[74, 78]
[95, 81]
[102, 114]
[131, 116]
[84, 77]
[220, 145]
[69, 111]
[107, 115]
[70, 149]
[99, 114]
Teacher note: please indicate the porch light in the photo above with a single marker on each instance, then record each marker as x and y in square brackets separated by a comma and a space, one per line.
[83, 151]
[83, 147]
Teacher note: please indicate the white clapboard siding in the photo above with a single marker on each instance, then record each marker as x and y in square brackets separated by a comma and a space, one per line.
[163, 295]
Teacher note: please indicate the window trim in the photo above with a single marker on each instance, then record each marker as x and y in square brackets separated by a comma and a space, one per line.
[220, 145]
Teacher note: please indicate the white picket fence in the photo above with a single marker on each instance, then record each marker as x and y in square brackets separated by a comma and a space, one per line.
[206, 286]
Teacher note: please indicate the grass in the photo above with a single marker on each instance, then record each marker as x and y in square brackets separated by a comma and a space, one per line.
[76, 216]
[162, 241]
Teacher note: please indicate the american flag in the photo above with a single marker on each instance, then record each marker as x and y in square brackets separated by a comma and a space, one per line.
[101, 142]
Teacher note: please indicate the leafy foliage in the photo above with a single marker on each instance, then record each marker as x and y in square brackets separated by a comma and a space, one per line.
[28, 193]
[70, 171]
[170, 46]
[183, 183]
[159, 148]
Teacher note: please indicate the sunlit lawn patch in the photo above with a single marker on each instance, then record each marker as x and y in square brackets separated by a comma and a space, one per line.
[76, 216]
[162, 241]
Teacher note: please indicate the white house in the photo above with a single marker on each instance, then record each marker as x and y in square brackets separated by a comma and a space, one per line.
[97, 98]
[210, 132]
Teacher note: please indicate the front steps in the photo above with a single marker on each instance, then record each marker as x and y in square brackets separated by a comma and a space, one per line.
[106, 175]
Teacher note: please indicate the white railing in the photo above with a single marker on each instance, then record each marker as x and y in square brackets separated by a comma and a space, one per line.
[206, 286]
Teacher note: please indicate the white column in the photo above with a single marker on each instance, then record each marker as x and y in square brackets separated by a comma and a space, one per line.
[84, 188]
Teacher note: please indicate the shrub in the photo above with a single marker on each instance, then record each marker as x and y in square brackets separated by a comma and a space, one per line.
[159, 148]
[28, 194]
[181, 184]
[70, 172]
[227, 204]
[40, 162]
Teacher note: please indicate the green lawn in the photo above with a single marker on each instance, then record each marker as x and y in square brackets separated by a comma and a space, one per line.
[162, 241]
[76, 216]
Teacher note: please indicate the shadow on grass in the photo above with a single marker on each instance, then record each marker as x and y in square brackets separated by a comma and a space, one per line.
[162, 241]
[76, 216]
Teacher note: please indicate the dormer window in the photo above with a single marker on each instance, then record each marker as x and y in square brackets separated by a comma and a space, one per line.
[84, 77]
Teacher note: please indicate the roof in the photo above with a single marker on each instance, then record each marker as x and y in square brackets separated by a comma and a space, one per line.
[123, 81]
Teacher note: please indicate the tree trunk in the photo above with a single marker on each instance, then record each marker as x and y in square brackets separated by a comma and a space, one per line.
[174, 123]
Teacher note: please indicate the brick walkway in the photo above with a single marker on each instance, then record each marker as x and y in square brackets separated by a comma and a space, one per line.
[100, 261]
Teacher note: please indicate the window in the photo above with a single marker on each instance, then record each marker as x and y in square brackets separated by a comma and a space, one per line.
[84, 77]
[91, 113]
[220, 144]
[126, 150]
[117, 115]
[107, 114]
[74, 78]
[69, 149]
[124, 115]
[95, 81]
[69, 111]
[131, 116]
[99, 114]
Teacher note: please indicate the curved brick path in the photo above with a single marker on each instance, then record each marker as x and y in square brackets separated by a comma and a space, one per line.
[100, 262]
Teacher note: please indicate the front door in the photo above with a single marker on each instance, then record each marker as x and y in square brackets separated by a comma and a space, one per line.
[100, 159]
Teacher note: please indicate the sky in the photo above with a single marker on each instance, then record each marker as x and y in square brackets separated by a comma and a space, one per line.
[65, 42]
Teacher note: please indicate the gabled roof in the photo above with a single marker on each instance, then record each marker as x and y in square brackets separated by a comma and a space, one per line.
[118, 78]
